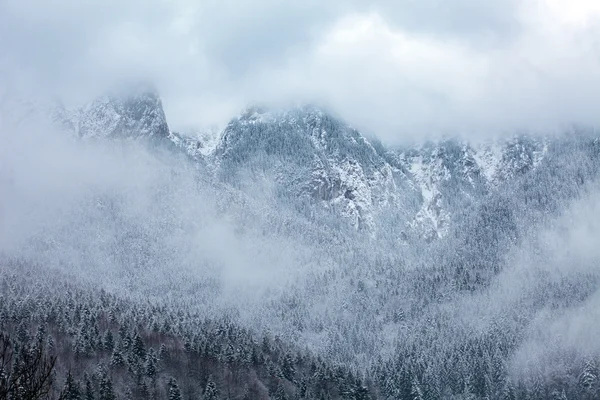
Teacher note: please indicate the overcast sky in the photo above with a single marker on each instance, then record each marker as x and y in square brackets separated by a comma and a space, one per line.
[391, 67]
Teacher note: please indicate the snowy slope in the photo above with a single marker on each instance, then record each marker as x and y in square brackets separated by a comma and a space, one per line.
[452, 174]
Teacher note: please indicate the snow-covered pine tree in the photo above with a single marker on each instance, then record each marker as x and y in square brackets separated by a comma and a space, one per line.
[173, 391]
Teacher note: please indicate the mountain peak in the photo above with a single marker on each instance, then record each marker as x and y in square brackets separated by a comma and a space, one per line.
[132, 111]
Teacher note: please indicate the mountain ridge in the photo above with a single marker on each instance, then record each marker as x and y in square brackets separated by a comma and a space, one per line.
[320, 159]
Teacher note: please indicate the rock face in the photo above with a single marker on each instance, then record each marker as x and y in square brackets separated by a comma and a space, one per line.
[317, 158]
[452, 175]
[137, 115]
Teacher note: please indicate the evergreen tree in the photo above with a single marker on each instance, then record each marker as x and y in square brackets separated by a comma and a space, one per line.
[280, 392]
[163, 353]
[108, 341]
[508, 391]
[287, 368]
[23, 332]
[588, 379]
[106, 391]
[416, 392]
[173, 391]
[151, 365]
[210, 391]
[144, 390]
[139, 349]
[89, 389]
[588, 375]
[535, 388]
[246, 394]
[128, 394]
[303, 388]
[360, 391]
[71, 389]
[117, 360]
[559, 395]
[50, 344]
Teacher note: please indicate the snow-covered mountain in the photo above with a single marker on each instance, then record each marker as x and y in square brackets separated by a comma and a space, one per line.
[142, 115]
[134, 114]
[270, 225]
[316, 156]
[314, 159]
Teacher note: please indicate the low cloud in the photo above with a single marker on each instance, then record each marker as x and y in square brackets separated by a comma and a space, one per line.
[397, 70]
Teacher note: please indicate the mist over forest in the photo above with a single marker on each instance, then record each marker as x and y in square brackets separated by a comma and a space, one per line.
[276, 232]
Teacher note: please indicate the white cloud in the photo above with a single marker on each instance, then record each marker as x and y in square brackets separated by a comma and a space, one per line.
[393, 68]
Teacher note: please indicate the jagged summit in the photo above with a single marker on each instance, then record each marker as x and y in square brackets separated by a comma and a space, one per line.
[123, 113]
[141, 115]
[313, 156]
[272, 130]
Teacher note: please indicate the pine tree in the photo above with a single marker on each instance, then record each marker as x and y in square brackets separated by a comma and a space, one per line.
[106, 391]
[173, 391]
[559, 395]
[588, 379]
[150, 365]
[210, 391]
[23, 332]
[360, 391]
[89, 389]
[108, 341]
[163, 353]
[117, 360]
[40, 334]
[588, 376]
[246, 395]
[128, 395]
[139, 349]
[280, 392]
[303, 388]
[71, 390]
[50, 344]
[288, 369]
[416, 392]
[508, 391]
[144, 390]
[265, 346]
[536, 387]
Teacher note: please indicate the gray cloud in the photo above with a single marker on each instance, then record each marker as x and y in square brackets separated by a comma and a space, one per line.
[470, 20]
[392, 68]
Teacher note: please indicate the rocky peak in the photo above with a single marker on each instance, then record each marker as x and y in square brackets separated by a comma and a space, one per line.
[315, 156]
[137, 113]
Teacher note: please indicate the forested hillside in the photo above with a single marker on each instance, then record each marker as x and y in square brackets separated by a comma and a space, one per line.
[295, 258]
